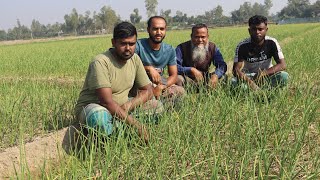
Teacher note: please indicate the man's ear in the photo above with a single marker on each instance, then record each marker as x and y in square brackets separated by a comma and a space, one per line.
[267, 29]
[113, 41]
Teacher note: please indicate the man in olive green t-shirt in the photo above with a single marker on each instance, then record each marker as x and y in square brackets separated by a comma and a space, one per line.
[109, 79]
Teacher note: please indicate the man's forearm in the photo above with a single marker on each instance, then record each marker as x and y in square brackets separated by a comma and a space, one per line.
[119, 112]
[250, 82]
[274, 69]
[142, 97]
[148, 68]
[243, 76]
[171, 80]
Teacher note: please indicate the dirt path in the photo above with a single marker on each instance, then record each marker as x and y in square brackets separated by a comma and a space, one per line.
[33, 154]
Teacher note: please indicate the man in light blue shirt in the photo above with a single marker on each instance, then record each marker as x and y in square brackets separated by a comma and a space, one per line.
[156, 55]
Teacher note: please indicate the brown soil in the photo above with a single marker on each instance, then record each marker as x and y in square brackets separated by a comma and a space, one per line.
[33, 155]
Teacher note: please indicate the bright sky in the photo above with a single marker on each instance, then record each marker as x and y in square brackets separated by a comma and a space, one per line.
[51, 11]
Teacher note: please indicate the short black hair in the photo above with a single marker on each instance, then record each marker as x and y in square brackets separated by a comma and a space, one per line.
[124, 30]
[155, 17]
[258, 19]
[199, 26]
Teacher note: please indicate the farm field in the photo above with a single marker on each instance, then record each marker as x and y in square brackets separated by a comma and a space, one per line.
[214, 134]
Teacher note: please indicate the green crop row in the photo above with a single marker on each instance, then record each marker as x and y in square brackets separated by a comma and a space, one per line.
[218, 134]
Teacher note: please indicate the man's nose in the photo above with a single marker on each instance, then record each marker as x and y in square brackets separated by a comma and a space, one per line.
[127, 46]
[258, 31]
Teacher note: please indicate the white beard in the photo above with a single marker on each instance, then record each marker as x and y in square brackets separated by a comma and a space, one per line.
[199, 53]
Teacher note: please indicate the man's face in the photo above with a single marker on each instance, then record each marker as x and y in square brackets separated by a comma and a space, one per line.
[124, 48]
[157, 30]
[200, 37]
[258, 32]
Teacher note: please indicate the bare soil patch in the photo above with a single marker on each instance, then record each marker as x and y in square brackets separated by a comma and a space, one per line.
[31, 156]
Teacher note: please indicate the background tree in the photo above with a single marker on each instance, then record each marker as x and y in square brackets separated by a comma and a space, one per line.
[218, 17]
[104, 21]
[242, 14]
[3, 35]
[180, 17]
[268, 4]
[208, 17]
[108, 18]
[315, 9]
[218, 12]
[296, 9]
[262, 9]
[72, 21]
[247, 10]
[19, 32]
[151, 7]
[81, 29]
[36, 29]
[166, 15]
[135, 17]
[87, 25]
[97, 23]
[54, 30]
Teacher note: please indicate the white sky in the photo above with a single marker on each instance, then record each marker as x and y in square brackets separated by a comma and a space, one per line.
[51, 11]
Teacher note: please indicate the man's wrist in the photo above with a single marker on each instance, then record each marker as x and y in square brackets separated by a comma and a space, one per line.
[163, 87]
[133, 122]
[214, 76]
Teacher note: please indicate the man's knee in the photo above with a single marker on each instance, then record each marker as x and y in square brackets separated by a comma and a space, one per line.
[179, 91]
[153, 106]
[180, 80]
[174, 91]
[97, 117]
[280, 79]
[284, 76]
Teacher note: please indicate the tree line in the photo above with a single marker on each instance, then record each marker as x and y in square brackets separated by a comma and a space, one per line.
[103, 21]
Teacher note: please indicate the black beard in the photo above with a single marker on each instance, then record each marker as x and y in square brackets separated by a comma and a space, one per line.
[156, 42]
[256, 40]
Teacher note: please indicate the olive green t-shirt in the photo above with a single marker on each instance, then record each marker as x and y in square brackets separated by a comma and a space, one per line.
[106, 72]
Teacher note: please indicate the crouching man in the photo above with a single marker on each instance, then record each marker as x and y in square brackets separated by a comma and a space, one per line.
[109, 78]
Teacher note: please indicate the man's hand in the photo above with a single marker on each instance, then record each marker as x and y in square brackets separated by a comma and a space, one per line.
[259, 77]
[253, 85]
[155, 75]
[126, 106]
[157, 91]
[197, 74]
[213, 81]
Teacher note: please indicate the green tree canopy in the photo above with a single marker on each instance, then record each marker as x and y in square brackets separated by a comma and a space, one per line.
[247, 10]
[108, 18]
[151, 7]
[135, 17]
[166, 15]
[296, 9]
